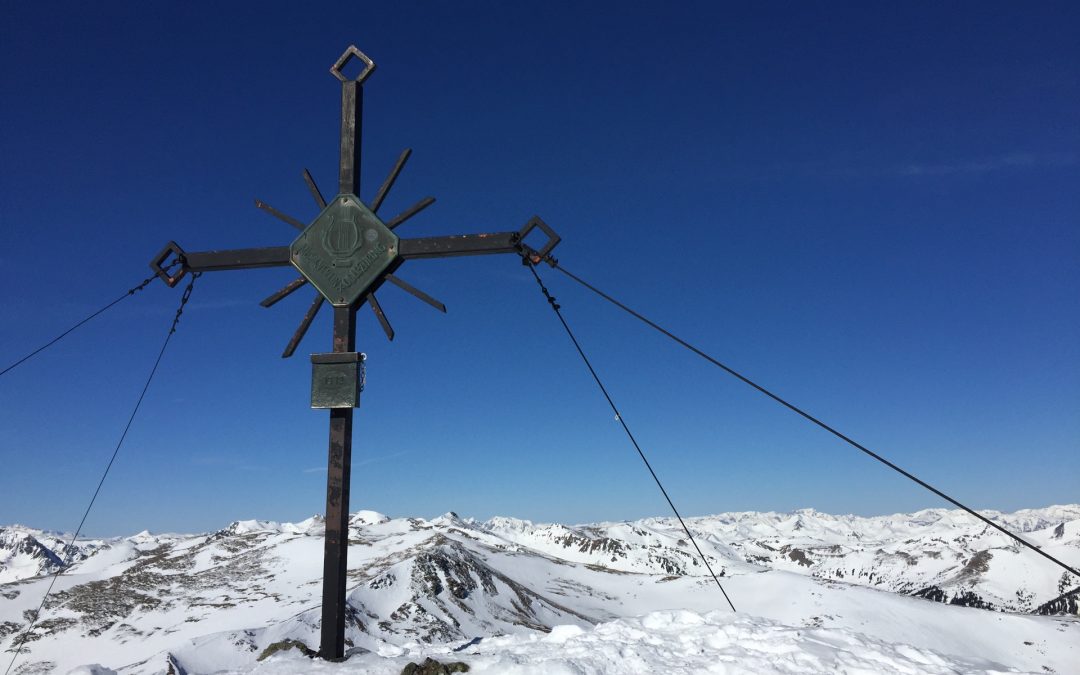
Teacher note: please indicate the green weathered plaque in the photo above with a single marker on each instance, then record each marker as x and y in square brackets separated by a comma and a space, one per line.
[335, 380]
[344, 250]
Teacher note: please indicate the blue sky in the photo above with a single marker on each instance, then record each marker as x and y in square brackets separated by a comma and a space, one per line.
[872, 210]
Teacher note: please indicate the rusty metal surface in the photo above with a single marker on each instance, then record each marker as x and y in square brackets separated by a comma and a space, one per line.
[351, 52]
[336, 542]
[279, 215]
[345, 329]
[381, 316]
[409, 288]
[384, 189]
[459, 244]
[536, 255]
[302, 330]
[410, 212]
[293, 285]
[352, 104]
[237, 259]
[171, 249]
[315, 192]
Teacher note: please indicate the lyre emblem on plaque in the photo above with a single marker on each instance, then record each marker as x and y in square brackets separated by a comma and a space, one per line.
[341, 238]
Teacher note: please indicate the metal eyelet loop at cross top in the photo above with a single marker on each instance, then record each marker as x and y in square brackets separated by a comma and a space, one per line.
[351, 53]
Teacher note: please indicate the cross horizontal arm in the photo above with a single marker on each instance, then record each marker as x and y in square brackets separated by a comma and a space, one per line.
[459, 244]
[237, 259]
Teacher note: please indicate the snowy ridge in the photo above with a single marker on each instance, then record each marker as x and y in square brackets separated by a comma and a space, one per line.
[834, 591]
[26, 552]
[939, 554]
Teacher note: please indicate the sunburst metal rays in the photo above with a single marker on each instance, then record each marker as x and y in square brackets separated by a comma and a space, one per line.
[293, 285]
[377, 308]
[369, 298]
[314, 189]
[302, 330]
[384, 189]
[279, 215]
[410, 212]
[408, 288]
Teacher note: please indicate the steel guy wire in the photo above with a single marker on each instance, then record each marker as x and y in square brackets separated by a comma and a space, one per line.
[130, 292]
[20, 641]
[554, 263]
[618, 416]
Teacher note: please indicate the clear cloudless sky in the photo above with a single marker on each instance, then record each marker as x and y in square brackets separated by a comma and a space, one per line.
[871, 208]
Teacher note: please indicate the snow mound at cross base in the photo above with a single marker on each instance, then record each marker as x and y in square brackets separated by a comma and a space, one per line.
[676, 641]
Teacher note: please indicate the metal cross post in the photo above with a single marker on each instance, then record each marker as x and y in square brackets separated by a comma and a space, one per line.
[347, 252]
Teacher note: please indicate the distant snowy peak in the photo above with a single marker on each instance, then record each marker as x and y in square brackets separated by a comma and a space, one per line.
[367, 518]
[26, 552]
[213, 602]
[506, 524]
[938, 554]
[742, 522]
[249, 526]
[240, 527]
[144, 537]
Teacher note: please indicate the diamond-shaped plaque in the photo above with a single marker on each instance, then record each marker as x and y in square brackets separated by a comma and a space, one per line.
[344, 250]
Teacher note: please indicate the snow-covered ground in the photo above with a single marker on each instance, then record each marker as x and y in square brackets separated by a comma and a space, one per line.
[815, 593]
[671, 642]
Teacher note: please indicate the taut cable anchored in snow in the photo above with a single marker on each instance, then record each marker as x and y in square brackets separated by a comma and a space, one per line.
[554, 263]
[555, 306]
[21, 640]
[130, 292]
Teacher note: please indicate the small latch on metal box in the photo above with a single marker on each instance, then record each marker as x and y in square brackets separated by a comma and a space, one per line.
[337, 379]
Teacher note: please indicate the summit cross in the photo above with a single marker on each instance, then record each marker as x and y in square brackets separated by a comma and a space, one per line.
[347, 252]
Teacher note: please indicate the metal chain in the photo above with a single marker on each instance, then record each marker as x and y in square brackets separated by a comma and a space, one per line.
[363, 370]
[184, 300]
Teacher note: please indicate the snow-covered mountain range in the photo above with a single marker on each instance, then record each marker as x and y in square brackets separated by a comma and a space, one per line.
[935, 588]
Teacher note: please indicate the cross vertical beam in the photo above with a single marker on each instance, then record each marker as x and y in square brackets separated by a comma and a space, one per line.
[339, 459]
[336, 543]
[352, 106]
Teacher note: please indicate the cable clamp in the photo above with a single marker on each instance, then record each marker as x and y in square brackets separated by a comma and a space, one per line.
[164, 273]
[529, 254]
